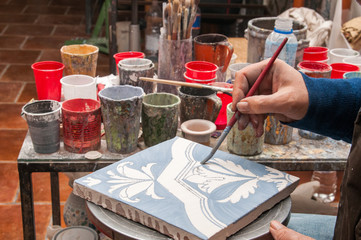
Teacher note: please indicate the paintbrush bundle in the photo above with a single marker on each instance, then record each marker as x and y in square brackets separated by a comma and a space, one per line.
[178, 18]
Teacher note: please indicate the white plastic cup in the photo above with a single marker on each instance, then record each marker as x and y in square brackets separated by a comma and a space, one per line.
[235, 67]
[353, 60]
[337, 55]
[79, 86]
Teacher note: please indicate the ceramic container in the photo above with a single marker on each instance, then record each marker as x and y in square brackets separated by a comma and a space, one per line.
[277, 133]
[243, 142]
[198, 130]
[79, 86]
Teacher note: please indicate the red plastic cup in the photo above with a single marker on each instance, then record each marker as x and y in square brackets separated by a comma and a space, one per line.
[81, 125]
[47, 76]
[221, 121]
[315, 54]
[204, 81]
[124, 55]
[201, 70]
[338, 69]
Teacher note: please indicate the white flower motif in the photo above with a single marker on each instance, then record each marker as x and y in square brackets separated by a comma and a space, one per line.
[132, 181]
[91, 181]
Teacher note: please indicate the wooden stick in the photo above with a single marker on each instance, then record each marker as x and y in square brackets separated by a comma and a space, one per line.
[186, 84]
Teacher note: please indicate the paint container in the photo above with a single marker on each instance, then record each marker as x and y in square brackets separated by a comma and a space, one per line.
[173, 55]
[243, 142]
[198, 130]
[160, 114]
[221, 121]
[131, 69]
[43, 118]
[47, 76]
[277, 133]
[349, 75]
[81, 125]
[80, 59]
[233, 68]
[206, 81]
[79, 86]
[199, 103]
[76, 232]
[353, 60]
[124, 55]
[315, 70]
[315, 54]
[338, 69]
[201, 70]
[338, 54]
[121, 110]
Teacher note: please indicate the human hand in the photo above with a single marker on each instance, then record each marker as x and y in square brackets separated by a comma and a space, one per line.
[280, 232]
[282, 93]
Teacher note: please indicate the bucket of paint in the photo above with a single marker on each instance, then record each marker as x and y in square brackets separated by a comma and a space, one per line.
[79, 86]
[221, 121]
[198, 130]
[160, 113]
[47, 76]
[315, 54]
[121, 110]
[201, 70]
[80, 59]
[258, 31]
[243, 142]
[338, 69]
[131, 69]
[81, 125]
[76, 232]
[205, 81]
[315, 69]
[43, 118]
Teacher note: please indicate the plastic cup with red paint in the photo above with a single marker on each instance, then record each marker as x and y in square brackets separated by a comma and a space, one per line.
[81, 125]
[338, 69]
[204, 81]
[315, 54]
[315, 69]
[221, 121]
[201, 70]
[47, 76]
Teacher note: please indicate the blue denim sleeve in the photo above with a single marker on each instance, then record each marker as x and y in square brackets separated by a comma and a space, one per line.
[333, 107]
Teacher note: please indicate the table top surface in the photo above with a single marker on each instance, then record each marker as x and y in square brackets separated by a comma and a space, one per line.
[299, 154]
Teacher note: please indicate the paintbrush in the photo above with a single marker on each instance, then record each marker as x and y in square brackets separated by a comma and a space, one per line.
[175, 19]
[186, 84]
[253, 89]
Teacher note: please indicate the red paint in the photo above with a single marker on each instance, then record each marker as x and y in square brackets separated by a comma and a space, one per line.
[221, 121]
[201, 70]
[205, 81]
[338, 69]
[315, 69]
[315, 54]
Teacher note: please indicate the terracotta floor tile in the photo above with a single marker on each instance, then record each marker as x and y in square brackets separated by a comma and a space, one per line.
[29, 29]
[19, 56]
[2, 27]
[9, 182]
[22, 73]
[76, 10]
[11, 221]
[2, 68]
[32, 2]
[28, 93]
[45, 42]
[77, 3]
[10, 144]
[11, 41]
[60, 19]
[70, 30]
[10, 116]
[17, 18]
[16, 8]
[50, 55]
[36, 9]
[10, 91]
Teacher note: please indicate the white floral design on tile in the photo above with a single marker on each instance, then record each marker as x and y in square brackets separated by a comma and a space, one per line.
[132, 182]
[91, 181]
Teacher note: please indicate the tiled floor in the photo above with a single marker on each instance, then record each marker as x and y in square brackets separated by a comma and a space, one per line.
[31, 31]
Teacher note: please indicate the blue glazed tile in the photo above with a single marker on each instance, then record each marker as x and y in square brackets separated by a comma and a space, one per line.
[166, 188]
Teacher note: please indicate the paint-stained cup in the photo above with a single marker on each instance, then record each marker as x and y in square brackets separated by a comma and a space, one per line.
[199, 103]
[124, 55]
[80, 59]
[43, 118]
[349, 75]
[198, 130]
[121, 108]
[160, 113]
[79, 86]
[47, 76]
[81, 125]
[243, 142]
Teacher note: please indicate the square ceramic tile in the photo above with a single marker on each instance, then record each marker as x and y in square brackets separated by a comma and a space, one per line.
[166, 188]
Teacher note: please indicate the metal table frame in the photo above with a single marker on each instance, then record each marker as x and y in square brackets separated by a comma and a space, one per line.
[289, 157]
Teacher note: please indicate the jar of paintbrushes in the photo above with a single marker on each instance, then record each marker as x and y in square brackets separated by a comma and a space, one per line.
[175, 43]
